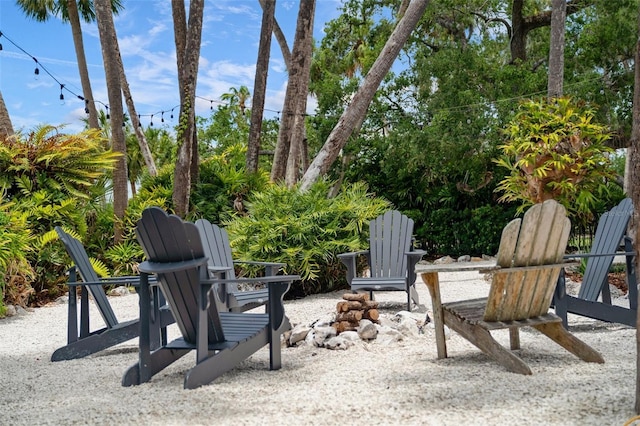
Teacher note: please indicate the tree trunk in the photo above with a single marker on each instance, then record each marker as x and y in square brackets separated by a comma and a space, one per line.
[518, 43]
[188, 39]
[83, 70]
[299, 55]
[353, 116]
[135, 122]
[260, 85]
[556, 50]
[6, 128]
[110, 54]
[634, 186]
[281, 39]
[296, 162]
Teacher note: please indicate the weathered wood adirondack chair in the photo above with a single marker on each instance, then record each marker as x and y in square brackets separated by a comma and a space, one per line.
[390, 257]
[522, 286]
[610, 235]
[84, 341]
[221, 339]
[215, 241]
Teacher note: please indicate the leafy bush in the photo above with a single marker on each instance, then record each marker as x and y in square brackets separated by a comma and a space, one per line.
[465, 232]
[306, 231]
[555, 150]
[15, 271]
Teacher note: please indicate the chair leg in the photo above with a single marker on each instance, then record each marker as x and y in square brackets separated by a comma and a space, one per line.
[557, 333]
[483, 340]
[158, 360]
[514, 338]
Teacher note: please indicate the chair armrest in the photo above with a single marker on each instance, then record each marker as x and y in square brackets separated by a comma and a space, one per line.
[413, 257]
[270, 268]
[349, 260]
[587, 255]
[163, 268]
[352, 254]
[266, 280]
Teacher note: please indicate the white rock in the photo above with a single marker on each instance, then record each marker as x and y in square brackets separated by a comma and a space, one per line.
[337, 342]
[367, 330]
[119, 291]
[298, 334]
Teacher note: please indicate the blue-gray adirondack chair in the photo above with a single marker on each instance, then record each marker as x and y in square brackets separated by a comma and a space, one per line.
[222, 340]
[594, 298]
[529, 262]
[390, 257]
[218, 250]
[84, 341]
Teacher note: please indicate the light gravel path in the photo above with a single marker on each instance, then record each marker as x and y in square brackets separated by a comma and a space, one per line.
[401, 383]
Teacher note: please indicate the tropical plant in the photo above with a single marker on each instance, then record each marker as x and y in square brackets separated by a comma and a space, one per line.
[305, 231]
[555, 150]
[16, 273]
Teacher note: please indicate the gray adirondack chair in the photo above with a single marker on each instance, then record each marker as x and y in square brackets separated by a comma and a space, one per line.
[528, 265]
[594, 298]
[82, 341]
[215, 241]
[221, 339]
[390, 257]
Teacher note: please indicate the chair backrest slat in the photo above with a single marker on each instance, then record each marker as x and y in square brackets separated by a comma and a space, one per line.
[80, 258]
[389, 239]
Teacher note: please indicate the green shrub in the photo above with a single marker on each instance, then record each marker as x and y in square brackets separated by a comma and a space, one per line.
[555, 150]
[16, 273]
[306, 231]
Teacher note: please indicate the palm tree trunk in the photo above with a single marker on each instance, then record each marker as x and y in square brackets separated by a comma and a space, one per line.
[135, 121]
[110, 54]
[299, 55]
[83, 70]
[188, 38]
[260, 85]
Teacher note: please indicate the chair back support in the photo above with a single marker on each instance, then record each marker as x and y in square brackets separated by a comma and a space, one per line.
[217, 248]
[168, 239]
[80, 258]
[389, 239]
[530, 253]
[612, 227]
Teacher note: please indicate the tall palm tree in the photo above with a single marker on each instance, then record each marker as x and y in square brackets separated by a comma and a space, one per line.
[260, 84]
[71, 11]
[188, 38]
[110, 56]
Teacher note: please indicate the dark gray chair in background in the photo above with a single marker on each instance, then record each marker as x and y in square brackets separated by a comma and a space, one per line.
[594, 297]
[391, 258]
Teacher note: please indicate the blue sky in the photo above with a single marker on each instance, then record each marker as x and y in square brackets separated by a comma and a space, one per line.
[230, 39]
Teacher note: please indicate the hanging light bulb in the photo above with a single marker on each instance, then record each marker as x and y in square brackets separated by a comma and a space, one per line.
[61, 95]
[162, 117]
[211, 106]
[86, 106]
[107, 107]
[151, 121]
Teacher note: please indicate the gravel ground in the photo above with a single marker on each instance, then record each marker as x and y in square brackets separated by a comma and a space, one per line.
[399, 383]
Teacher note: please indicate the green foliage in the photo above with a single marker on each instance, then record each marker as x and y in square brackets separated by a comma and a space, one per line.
[16, 273]
[555, 150]
[50, 179]
[468, 231]
[223, 183]
[306, 231]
